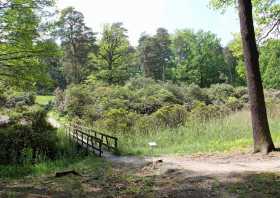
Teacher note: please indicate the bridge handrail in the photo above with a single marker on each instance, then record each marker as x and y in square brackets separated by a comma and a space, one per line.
[103, 140]
[90, 129]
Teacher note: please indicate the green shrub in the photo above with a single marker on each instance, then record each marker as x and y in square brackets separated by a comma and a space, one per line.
[20, 99]
[171, 116]
[31, 132]
[144, 105]
[234, 104]
[220, 92]
[195, 93]
[119, 120]
[3, 98]
[135, 84]
[239, 92]
[75, 100]
[92, 113]
[204, 112]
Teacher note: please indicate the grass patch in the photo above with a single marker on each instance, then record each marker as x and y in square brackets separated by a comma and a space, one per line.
[43, 100]
[220, 135]
[47, 167]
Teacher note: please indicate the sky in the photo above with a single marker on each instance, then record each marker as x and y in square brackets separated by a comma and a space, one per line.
[140, 16]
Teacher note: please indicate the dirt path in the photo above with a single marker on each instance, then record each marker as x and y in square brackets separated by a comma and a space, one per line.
[217, 175]
[53, 122]
[208, 164]
[226, 164]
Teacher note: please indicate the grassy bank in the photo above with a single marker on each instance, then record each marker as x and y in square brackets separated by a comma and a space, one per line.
[48, 167]
[220, 135]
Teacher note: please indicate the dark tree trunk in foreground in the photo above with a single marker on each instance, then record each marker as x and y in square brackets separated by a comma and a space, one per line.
[262, 138]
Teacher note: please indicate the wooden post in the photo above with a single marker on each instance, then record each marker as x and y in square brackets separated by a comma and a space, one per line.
[116, 144]
[92, 146]
[87, 143]
[76, 133]
[107, 142]
[82, 139]
[100, 149]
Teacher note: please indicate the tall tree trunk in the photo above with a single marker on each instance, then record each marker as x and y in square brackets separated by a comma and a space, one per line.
[261, 134]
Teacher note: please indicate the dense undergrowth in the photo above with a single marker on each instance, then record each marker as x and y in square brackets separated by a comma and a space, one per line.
[181, 119]
[29, 144]
[143, 105]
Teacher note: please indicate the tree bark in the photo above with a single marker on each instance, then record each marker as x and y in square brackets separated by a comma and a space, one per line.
[261, 134]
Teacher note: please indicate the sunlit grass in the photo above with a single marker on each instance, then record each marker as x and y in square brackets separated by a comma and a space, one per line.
[43, 100]
[77, 163]
[232, 133]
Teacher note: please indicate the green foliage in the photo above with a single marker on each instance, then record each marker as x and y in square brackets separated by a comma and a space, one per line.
[267, 13]
[54, 72]
[221, 92]
[155, 55]
[235, 47]
[221, 5]
[212, 133]
[198, 58]
[76, 100]
[269, 62]
[240, 91]
[12, 99]
[119, 121]
[195, 93]
[78, 41]
[221, 134]
[234, 104]
[28, 138]
[112, 59]
[144, 105]
[172, 116]
[204, 112]
[22, 48]
[269, 59]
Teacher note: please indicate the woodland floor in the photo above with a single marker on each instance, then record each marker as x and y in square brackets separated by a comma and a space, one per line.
[228, 175]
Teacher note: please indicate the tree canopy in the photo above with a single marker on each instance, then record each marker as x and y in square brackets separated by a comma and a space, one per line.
[22, 45]
[77, 41]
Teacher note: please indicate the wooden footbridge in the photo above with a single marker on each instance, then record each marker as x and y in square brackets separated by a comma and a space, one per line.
[91, 140]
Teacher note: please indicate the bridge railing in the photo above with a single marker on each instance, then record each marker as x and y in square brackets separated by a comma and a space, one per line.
[91, 139]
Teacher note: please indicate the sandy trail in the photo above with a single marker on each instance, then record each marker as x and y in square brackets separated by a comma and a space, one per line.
[53, 122]
[227, 164]
[208, 164]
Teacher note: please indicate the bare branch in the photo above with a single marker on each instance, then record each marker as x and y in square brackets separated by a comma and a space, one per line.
[276, 25]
